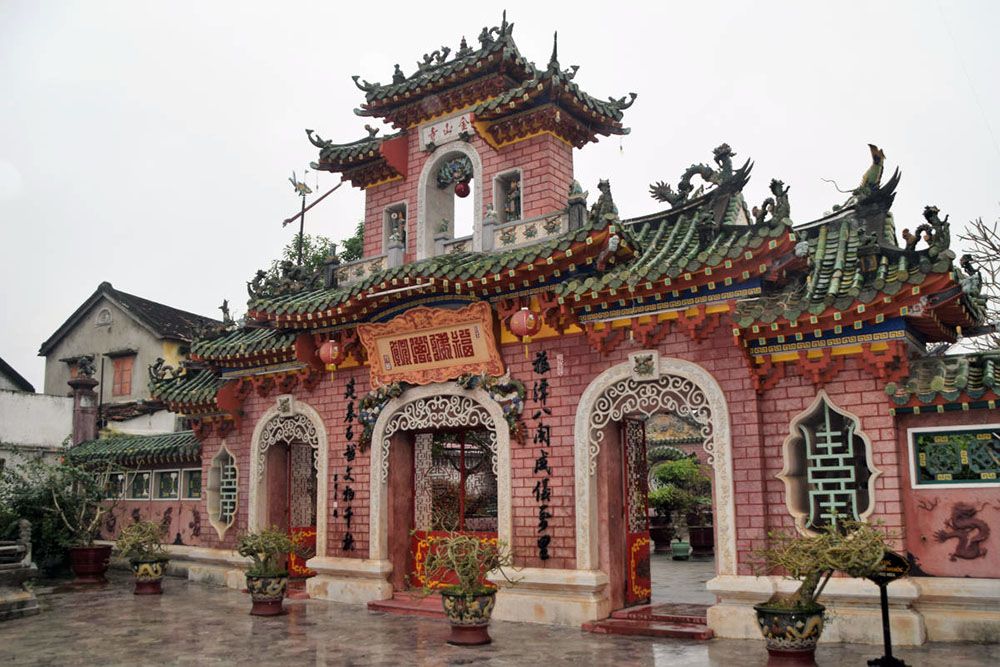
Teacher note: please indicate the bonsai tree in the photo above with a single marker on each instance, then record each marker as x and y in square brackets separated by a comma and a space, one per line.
[140, 541]
[467, 560]
[267, 549]
[852, 547]
[681, 487]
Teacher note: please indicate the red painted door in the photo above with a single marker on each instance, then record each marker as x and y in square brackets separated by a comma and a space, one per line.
[638, 583]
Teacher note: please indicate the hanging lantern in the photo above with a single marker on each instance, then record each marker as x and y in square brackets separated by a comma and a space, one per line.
[331, 353]
[462, 189]
[525, 324]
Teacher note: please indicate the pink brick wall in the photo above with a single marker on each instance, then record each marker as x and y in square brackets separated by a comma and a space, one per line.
[546, 165]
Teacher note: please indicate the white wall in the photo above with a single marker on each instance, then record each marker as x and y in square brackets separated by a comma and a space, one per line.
[32, 425]
[162, 421]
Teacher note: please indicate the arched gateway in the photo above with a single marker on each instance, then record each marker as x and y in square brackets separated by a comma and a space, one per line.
[437, 406]
[628, 390]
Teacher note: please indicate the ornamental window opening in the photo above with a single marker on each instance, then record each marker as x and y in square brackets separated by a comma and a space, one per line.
[191, 484]
[167, 484]
[450, 210]
[394, 226]
[222, 491]
[138, 486]
[507, 194]
[828, 473]
[456, 485]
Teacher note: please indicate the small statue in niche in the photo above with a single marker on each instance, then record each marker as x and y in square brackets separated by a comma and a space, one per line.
[970, 532]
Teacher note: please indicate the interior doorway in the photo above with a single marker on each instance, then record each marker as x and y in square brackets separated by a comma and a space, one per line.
[292, 494]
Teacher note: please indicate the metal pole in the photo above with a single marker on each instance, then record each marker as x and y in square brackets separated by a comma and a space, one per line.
[886, 631]
[302, 225]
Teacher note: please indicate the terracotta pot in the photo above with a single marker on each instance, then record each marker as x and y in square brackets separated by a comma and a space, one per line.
[90, 563]
[791, 635]
[469, 616]
[661, 531]
[148, 575]
[267, 594]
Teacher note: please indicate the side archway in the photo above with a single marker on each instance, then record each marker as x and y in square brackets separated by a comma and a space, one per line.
[676, 385]
[425, 227]
[443, 405]
[285, 421]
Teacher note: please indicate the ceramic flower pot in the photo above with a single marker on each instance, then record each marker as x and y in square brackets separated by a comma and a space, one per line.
[267, 594]
[148, 575]
[89, 564]
[469, 616]
[791, 634]
[680, 550]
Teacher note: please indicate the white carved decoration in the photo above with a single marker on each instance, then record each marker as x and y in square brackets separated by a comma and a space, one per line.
[439, 412]
[286, 430]
[682, 387]
[670, 393]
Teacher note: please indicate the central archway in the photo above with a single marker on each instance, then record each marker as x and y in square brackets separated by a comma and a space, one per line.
[673, 384]
[443, 405]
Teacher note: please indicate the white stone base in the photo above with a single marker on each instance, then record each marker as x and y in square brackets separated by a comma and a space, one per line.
[556, 597]
[853, 609]
[353, 580]
[216, 567]
[959, 610]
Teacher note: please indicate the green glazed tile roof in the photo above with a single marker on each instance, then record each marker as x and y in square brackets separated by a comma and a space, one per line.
[243, 343]
[949, 378]
[671, 245]
[452, 266]
[178, 447]
[356, 151]
[427, 79]
[193, 387]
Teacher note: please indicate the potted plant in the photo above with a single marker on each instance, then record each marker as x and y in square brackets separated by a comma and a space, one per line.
[680, 486]
[792, 623]
[468, 603]
[267, 576]
[140, 544]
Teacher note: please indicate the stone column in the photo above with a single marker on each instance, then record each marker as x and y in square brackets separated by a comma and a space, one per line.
[394, 252]
[84, 409]
[489, 225]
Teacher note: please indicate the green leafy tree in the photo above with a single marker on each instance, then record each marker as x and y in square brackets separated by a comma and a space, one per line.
[315, 248]
[353, 248]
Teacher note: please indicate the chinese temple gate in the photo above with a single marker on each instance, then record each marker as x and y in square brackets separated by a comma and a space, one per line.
[503, 383]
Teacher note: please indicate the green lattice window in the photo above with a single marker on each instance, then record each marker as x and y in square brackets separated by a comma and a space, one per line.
[222, 491]
[828, 474]
[964, 456]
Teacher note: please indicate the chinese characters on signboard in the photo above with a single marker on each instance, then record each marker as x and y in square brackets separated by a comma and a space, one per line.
[426, 345]
[447, 130]
[542, 438]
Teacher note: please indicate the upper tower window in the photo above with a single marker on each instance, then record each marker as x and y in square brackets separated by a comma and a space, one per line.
[450, 199]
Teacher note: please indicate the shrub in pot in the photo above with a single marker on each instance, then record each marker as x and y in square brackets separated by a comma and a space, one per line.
[140, 544]
[792, 623]
[469, 603]
[680, 487]
[267, 576]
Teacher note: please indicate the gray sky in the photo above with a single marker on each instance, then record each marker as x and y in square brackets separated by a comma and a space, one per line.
[149, 143]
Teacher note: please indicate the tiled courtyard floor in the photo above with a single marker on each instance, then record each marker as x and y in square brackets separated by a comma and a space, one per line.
[681, 580]
[194, 624]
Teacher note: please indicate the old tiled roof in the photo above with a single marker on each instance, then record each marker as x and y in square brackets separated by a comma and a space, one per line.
[131, 450]
[951, 379]
[164, 321]
[453, 268]
[244, 343]
[8, 371]
[193, 388]
[351, 153]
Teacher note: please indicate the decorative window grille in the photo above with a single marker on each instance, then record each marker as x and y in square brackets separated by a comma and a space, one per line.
[222, 491]
[458, 486]
[192, 484]
[167, 484]
[508, 194]
[138, 488]
[828, 476]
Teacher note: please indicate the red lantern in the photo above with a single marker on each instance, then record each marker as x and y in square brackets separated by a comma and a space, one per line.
[330, 353]
[525, 324]
[462, 189]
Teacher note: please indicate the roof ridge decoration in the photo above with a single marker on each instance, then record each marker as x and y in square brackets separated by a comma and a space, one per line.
[962, 380]
[724, 179]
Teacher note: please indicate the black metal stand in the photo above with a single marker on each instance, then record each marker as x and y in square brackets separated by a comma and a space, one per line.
[886, 660]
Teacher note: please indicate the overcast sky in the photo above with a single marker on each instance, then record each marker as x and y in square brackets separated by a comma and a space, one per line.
[149, 143]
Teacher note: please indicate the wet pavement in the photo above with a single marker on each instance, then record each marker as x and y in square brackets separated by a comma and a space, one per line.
[195, 624]
[681, 580]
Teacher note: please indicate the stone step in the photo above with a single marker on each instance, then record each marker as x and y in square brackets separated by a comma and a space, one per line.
[410, 604]
[686, 614]
[644, 628]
